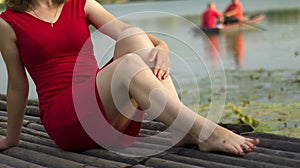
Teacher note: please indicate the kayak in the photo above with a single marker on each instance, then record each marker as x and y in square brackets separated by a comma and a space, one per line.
[250, 23]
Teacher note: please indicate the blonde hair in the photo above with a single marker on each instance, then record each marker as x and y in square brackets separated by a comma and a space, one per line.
[23, 5]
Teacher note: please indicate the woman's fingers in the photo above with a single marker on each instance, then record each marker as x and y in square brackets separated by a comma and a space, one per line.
[166, 73]
[161, 73]
[162, 62]
[156, 70]
[153, 54]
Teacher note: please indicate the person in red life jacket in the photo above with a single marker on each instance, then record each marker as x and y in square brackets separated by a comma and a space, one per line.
[209, 16]
[233, 12]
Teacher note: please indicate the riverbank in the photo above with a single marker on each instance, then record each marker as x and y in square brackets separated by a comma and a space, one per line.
[266, 99]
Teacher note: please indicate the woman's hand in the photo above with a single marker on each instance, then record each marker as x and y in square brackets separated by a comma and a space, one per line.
[4, 144]
[160, 57]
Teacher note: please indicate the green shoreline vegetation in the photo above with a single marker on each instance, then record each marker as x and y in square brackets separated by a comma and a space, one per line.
[268, 100]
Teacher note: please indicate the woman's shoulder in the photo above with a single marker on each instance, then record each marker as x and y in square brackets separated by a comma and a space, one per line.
[8, 11]
[6, 33]
[8, 15]
[6, 19]
[4, 24]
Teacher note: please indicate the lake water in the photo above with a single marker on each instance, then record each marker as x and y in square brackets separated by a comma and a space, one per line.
[194, 56]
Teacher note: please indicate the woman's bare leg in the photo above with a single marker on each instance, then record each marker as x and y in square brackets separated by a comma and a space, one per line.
[132, 44]
[140, 88]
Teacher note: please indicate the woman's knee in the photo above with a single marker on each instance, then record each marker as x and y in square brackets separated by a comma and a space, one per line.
[132, 40]
[132, 62]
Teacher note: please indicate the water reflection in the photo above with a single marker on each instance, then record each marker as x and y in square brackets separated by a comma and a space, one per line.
[231, 44]
[235, 46]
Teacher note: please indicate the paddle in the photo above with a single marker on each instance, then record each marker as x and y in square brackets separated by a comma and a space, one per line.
[252, 25]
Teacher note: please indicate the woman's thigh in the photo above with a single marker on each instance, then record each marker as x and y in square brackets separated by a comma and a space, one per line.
[110, 80]
[133, 42]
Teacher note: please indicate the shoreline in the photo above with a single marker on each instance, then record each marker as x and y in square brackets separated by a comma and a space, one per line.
[268, 97]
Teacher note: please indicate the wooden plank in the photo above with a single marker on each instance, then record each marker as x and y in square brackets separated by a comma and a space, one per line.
[197, 162]
[2, 97]
[140, 166]
[150, 146]
[26, 117]
[148, 132]
[161, 163]
[36, 126]
[153, 125]
[226, 159]
[3, 105]
[31, 110]
[35, 133]
[3, 113]
[274, 137]
[5, 166]
[3, 119]
[42, 158]
[14, 162]
[276, 160]
[156, 140]
[279, 145]
[28, 131]
[33, 139]
[102, 153]
[285, 154]
[72, 156]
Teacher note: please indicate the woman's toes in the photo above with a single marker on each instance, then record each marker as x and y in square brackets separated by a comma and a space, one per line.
[238, 149]
[253, 141]
[241, 150]
[234, 151]
[246, 147]
[256, 141]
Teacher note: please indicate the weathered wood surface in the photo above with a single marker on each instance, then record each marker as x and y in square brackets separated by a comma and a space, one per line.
[36, 149]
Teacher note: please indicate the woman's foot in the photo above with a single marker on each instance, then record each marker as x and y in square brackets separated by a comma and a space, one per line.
[224, 140]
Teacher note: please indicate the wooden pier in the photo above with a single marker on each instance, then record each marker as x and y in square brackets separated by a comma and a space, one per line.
[36, 150]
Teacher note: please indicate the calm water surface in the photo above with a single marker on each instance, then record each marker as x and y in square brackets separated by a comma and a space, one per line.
[194, 55]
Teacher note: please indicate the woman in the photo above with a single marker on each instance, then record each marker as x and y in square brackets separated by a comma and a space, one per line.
[47, 37]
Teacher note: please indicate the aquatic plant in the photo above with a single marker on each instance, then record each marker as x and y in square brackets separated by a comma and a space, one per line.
[242, 118]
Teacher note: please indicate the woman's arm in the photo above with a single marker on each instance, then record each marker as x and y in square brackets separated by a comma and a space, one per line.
[109, 24]
[105, 22]
[161, 49]
[17, 86]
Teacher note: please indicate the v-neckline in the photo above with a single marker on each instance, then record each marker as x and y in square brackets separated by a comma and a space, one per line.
[41, 20]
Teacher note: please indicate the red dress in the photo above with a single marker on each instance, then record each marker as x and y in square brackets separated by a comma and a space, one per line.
[51, 55]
